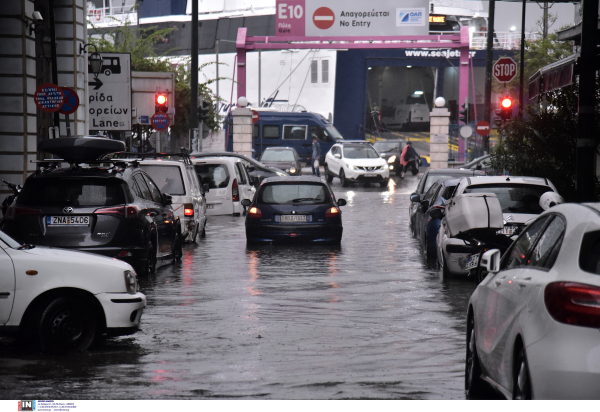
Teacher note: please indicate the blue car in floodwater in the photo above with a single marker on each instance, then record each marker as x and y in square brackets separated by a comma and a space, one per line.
[428, 217]
[294, 209]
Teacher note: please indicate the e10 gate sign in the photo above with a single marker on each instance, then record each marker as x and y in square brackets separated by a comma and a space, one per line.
[352, 18]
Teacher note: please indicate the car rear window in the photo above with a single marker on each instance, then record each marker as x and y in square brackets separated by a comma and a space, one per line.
[278, 156]
[514, 198]
[589, 254]
[294, 193]
[167, 178]
[216, 175]
[86, 191]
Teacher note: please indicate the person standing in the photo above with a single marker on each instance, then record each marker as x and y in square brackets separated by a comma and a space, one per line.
[316, 155]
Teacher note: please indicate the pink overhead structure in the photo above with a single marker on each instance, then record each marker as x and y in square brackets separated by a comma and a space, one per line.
[245, 43]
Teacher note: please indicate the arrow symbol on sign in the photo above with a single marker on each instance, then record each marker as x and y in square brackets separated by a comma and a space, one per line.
[96, 83]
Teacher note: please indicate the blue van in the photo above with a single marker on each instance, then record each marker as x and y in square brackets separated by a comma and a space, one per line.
[292, 129]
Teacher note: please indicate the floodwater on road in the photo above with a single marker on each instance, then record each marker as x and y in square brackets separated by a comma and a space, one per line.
[363, 320]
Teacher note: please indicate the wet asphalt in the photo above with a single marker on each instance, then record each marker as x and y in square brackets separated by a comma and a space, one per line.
[364, 320]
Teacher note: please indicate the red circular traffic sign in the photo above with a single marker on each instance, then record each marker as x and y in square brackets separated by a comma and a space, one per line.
[159, 121]
[505, 69]
[323, 18]
[71, 102]
[255, 116]
[483, 128]
[49, 97]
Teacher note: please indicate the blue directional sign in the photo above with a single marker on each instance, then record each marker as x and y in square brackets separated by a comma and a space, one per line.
[160, 121]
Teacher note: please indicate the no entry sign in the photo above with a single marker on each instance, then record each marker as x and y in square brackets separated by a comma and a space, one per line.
[505, 69]
[160, 121]
[255, 116]
[483, 128]
[323, 18]
[71, 101]
[49, 97]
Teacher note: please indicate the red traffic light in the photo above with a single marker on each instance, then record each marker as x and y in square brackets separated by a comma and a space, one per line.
[161, 99]
[506, 103]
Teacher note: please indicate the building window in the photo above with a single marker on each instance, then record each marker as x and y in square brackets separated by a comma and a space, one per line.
[324, 71]
[314, 71]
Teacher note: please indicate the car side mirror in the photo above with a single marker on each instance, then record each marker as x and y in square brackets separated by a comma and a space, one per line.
[341, 202]
[337, 156]
[205, 187]
[246, 202]
[382, 155]
[415, 198]
[168, 199]
[437, 213]
[490, 261]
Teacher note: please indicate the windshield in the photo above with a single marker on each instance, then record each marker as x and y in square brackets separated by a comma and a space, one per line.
[10, 242]
[278, 156]
[333, 132]
[360, 152]
[167, 178]
[88, 191]
[514, 198]
[291, 194]
[387, 147]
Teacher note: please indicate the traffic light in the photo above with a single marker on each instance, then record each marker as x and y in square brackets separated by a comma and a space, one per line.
[160, 103]
[463, 113]
[204, 111]
[505, 110]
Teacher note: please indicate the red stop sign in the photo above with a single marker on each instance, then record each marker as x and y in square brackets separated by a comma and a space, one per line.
[505, 69]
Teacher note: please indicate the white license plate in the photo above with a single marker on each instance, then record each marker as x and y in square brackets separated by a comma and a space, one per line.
[507, 230]
[472, 261]
[210, 206]
[293, 218]
[370, 174]
[67, 221]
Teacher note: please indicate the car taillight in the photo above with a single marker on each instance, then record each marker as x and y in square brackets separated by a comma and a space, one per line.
[188, 209]
[235, 193]
[127, 211]
[254, 212]
[573, 303]
[16, 211]
[332, 212]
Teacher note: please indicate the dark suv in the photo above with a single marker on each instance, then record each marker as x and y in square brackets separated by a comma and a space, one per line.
[112, 209]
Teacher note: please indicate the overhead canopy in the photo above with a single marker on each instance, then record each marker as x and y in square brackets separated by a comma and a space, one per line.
[573, 33]
[552, 77]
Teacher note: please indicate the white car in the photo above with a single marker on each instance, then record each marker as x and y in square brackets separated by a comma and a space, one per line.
[355, 161]
[411, 113]
[62, 300]
[179, 180]
[532, 323]
[519, 199]
[228, 183]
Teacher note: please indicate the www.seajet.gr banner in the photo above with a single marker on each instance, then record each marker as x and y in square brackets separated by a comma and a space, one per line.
[324, 18]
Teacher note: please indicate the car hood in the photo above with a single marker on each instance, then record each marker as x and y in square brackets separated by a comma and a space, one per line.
[365, 162]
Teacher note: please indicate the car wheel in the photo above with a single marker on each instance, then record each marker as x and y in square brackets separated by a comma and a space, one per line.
[203, 233]
[328, 174]
[521, 380]
[473, 381]
[343, 179]
[445, 271]
[384, 183]
[413, 229]
[177, 247]
[429, 256]
[67, 324]
[149, 266]
[399, 171]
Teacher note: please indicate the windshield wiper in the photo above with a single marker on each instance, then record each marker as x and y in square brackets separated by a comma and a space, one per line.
[303, 199]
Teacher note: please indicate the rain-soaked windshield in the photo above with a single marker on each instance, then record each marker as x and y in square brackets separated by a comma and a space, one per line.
[360, 152]
[289, 194]
[387, 147]
[514, 198]
[278, 156]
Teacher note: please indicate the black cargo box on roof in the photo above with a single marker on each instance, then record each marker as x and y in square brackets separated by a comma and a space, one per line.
[81, 149]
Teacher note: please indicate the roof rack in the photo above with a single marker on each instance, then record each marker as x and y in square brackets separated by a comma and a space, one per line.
[184, 155]
[354, 142]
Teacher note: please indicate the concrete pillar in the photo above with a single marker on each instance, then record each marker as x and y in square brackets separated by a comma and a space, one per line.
[17, 86]
[439, 120]
[242, 131]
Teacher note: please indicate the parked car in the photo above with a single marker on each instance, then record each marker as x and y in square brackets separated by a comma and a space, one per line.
[255, 168]
[411, 114]
[429, 178]
[228, 183]
[356, 162]
[390, 151]
[179, 180]
[294, 209]
[111, 208]
[519, 200]
[532, 323]
[428, 215]
[284, 158]
[62, 300]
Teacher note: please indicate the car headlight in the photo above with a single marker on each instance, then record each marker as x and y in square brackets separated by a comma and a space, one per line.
[293, 170]
[130, 282]
[392, 159]
[351, 167]
[385, 166]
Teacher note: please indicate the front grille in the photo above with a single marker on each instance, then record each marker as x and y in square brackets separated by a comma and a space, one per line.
[368, 168]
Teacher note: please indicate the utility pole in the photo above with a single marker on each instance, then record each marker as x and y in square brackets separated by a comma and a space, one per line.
[488, 71]
[522, 63]
[194, 72]
[545, 28]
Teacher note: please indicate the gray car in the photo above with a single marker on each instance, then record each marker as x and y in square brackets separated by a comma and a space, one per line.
[284, 158]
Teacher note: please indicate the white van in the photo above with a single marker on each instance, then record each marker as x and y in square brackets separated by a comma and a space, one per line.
[180, 181]
[228, 182]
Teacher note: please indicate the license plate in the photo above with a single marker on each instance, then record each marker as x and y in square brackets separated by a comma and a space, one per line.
[293, 218]
[67, 221]
[507, 230]
[210, 206]
[472, 261]
[370, 174]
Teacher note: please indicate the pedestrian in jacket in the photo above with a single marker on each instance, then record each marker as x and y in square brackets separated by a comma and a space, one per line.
[316, 155]
[407, 158]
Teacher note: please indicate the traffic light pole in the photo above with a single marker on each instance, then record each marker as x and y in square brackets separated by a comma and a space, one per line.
[194, 72]
[488, 71]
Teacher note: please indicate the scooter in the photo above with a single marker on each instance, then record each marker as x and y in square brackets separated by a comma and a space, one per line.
[9, 199]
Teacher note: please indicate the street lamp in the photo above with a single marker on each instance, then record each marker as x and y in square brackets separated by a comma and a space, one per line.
[94, 59]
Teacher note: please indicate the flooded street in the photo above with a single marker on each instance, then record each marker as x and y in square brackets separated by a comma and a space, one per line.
[364, 320]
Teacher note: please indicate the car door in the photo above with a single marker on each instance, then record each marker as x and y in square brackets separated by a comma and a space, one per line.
[164, 218]
[334, 162]
[426, 202]
[247, 190]
[498, 303]
[7, 284]
[199, 200]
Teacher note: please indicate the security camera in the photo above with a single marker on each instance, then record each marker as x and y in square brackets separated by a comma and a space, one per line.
[37, 16]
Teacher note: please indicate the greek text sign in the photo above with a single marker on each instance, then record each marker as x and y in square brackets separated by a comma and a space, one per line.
[351, 18]
[49, 97]
[110, 93]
